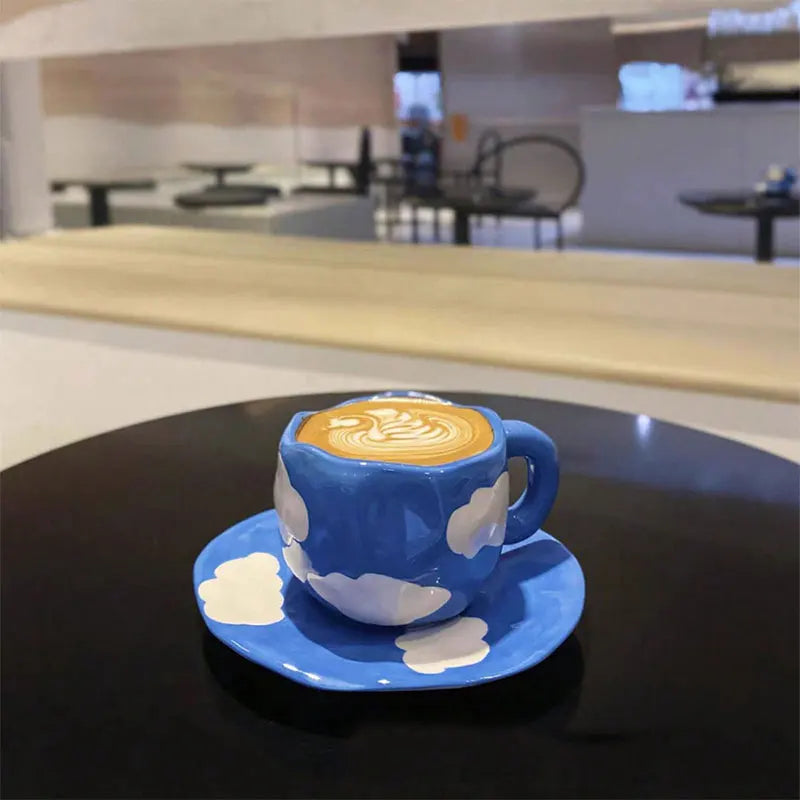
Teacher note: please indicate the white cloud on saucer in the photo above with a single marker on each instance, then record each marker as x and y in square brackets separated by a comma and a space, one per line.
[244, 591]
[297, 560]
[455, 643]
[482, 521]
[378, 599]
[292, 511]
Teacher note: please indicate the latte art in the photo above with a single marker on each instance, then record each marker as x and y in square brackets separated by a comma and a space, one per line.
[400, 430]
[392, 430]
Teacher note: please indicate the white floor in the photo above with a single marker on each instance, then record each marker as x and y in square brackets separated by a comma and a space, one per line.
[65, 379]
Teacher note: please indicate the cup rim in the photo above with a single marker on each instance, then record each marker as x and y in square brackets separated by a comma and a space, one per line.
[289, 440]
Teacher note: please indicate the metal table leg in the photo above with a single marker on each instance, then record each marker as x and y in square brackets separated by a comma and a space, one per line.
[99, 213]
[764, 248]
[388, 214]
[461, 227]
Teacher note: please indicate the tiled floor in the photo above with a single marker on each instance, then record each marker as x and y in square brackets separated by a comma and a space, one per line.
[517, 234]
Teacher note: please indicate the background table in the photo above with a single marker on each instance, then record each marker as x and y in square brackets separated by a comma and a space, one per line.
[466, 204]
[99, 211]
[765, 209]
[680, 681]
[218, 170]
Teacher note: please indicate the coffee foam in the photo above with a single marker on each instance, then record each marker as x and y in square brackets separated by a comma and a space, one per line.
[410, 430]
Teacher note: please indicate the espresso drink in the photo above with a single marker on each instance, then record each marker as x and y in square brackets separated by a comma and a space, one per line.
[404, 430]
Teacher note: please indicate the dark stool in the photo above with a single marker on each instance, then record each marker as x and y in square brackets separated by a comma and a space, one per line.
[339, 191]
[221, 196]
[267, 189]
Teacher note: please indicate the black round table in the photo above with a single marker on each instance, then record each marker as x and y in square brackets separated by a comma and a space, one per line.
[765, 209]
[681, 680]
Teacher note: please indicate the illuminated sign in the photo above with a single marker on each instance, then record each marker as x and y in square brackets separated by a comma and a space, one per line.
[729, 22]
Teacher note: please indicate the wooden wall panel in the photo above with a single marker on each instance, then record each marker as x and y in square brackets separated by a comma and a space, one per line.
[330, 82]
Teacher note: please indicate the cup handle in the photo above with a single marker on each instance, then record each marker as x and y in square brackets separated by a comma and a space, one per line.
[526, 516]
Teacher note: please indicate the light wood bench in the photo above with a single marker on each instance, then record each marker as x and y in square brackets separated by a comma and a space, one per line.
[711, 326]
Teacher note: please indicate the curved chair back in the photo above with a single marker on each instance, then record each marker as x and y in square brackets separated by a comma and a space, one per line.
[549, 165]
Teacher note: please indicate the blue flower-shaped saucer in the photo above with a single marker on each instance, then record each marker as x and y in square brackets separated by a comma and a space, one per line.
[251, 602]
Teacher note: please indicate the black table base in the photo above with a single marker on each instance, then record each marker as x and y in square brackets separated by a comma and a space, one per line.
[681, 680]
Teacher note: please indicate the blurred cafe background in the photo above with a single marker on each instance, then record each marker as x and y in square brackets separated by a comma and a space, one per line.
[205, 202]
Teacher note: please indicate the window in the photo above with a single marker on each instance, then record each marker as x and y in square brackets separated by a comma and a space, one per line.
[650, 86]
[418, 88]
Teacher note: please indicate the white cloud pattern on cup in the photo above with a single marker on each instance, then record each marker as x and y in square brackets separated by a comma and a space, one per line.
[378, 599]
[297, 560]
[456, 643]
[482, 521]
[244, 591]
[292, 511]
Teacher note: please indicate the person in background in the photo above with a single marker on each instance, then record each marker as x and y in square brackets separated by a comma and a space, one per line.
[421, 148]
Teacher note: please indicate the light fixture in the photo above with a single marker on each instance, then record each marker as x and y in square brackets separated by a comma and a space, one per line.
[732, 22]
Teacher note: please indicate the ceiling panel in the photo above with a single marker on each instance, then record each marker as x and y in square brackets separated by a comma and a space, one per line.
[40, 28]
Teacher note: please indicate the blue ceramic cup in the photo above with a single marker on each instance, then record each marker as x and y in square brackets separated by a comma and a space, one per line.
[404, 544]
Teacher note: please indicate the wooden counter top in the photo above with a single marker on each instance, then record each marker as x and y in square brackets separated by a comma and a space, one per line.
[711, 326]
